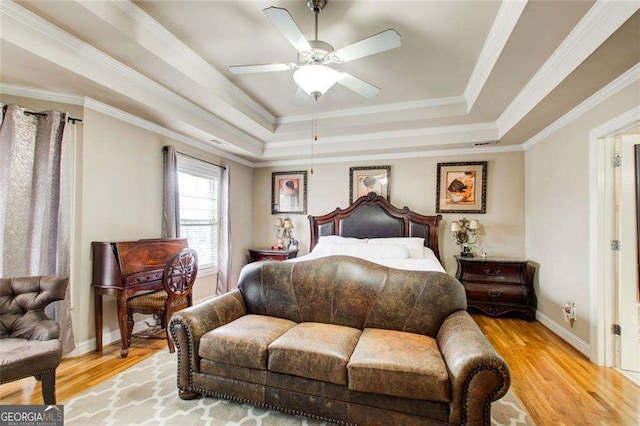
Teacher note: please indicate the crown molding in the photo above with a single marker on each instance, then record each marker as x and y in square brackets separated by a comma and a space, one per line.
[506, 20]
[390, 156]
[378, 109]
[174, 44]
[155, 128]
[602, 20]
[79, 48]
[629, 77]
[44, 95]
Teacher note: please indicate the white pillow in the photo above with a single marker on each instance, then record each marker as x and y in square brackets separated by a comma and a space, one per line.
[415, 245]
[337, 239]
[374, 251]
[327, 242]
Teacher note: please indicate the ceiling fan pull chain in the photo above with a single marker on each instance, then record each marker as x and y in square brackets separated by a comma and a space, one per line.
[314, 129]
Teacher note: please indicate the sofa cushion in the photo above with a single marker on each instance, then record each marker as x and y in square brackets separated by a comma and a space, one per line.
[315, 351]
[400, 364]
[244, 341]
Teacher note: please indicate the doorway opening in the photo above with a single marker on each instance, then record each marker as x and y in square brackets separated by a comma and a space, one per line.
[612, 304]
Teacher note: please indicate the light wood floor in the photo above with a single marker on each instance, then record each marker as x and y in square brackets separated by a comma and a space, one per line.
[556, 384]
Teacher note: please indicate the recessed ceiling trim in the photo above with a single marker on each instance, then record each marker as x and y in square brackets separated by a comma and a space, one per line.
[506, 20]
[377, 109]
[624, 80]
[72, 49]
[426, 131]
[602, 20]
[179, 55]
[391, 156]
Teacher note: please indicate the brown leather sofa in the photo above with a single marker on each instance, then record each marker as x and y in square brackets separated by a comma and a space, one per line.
[29, 339]
[344, 340]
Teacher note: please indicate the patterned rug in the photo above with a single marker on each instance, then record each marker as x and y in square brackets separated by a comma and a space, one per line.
[146, 394]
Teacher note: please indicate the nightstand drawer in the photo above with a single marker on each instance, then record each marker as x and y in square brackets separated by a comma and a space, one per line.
[262, 256]
[500, 293]
[257, 255]
[493, 272]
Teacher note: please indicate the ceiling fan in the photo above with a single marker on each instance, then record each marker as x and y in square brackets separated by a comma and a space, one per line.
[314, 71]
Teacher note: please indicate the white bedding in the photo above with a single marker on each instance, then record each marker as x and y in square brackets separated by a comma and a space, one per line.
[400, 253]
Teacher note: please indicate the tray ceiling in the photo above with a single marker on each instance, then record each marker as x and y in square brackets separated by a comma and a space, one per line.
[467, 72]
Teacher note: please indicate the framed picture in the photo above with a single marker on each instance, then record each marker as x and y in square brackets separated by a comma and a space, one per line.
[289, 192]
[363, 180]
[461, 187]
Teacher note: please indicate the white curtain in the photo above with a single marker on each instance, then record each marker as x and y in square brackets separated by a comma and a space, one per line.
[224, 250]
[36, 171]
[170, 195]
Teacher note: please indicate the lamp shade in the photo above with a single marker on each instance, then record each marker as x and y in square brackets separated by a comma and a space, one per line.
[315, 79]
[455, 227]
[474, 224]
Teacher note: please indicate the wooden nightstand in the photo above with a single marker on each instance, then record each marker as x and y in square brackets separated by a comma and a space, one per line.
[498, 285]
[268, 254]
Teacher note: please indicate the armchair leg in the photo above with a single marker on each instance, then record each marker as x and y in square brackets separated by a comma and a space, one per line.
[49, 387]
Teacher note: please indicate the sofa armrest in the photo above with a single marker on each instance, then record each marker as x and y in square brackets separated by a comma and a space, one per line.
[478, 374]
[189, 325]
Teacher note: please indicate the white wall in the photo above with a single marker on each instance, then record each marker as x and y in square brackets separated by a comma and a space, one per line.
[557, 205]
[413, 184]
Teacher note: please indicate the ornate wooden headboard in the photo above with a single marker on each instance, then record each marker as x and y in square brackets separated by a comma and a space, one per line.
[372, 216]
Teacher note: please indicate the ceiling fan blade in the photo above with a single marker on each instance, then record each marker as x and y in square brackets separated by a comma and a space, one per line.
[380, 42]
[288, 27]
[300, 97]
[361, 87]
[250, 69]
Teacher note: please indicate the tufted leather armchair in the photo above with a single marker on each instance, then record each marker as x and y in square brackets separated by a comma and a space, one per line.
[29, 339]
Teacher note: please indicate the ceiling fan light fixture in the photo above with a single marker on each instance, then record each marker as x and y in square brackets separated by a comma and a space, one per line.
[315, 80]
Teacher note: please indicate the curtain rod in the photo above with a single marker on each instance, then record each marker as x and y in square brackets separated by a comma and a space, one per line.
[196, 158]
[41, 114]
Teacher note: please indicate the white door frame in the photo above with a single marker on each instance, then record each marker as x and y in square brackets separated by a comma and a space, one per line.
[601, 265]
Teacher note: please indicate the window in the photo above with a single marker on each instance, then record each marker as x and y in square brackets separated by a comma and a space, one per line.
[199, 190]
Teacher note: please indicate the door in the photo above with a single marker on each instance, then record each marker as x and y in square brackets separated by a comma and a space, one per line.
[628, 145]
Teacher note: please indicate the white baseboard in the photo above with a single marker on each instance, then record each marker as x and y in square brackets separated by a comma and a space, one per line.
[634, 376]
[564, 334]
[107, 338]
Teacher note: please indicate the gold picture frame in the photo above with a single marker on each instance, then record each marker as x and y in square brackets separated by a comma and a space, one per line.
[289, 192]
[363, 180]
[462, 187]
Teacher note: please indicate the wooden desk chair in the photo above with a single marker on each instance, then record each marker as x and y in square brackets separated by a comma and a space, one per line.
[177, 293]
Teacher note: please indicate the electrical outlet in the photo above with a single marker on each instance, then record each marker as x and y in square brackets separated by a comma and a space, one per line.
[569, 312]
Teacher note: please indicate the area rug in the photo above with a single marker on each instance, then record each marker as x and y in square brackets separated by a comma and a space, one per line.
[146, 394]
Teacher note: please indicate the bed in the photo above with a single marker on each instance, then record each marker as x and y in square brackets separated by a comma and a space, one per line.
[373, 229]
